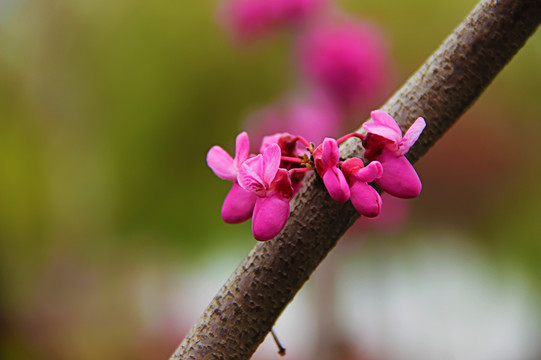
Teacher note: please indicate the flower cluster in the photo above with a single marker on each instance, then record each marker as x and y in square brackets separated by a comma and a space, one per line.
[264, 184]
[342, 65]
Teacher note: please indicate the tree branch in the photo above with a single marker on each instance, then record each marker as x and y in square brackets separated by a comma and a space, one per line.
[244, 310]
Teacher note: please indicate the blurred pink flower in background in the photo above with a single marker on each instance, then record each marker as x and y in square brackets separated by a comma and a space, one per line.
[313, 118]
[347, 60]
[248, 19]
[344, 66]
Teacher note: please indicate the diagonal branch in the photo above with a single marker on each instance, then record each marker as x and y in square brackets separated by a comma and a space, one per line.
[245, 308]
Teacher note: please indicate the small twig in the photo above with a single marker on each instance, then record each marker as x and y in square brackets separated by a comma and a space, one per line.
[281, 349]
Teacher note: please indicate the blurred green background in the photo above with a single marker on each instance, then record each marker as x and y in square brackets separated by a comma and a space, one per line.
[107, 110]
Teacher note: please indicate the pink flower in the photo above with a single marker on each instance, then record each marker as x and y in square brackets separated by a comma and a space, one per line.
[239, 203]
[290, 147]
[348, 61]
[326, 159]
[262, 176]
[286, 142]
[363, 196]
[248, 19]
[384, 142]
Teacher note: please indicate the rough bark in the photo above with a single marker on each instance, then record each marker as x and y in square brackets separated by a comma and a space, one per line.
[245, 308]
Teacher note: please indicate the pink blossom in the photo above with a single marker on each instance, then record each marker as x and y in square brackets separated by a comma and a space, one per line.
[239, 203]
[262, 176]
[349, 61]
[384, 142]
[287, 143]
[248, 19]
[327, 159]
[364, 197]
[291, 147]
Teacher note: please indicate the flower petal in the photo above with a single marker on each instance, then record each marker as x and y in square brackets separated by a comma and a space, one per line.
[221, 163]
[250, 175]
[383, 125]
[399, 177]
[238, 205]
[365, 199]
[382, 118]
[336, 184]
[271, 162]
[269, 140]
[411, 136]
[351, 167]
[372, 171]
[330, 155]
[318, 162]
[282, 184]
[270, 216]
[242, 149]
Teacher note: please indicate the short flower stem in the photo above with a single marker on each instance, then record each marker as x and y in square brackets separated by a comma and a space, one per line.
[353, 134]
[299, 170]
[291, 159]
[281, 349]
[303, 141]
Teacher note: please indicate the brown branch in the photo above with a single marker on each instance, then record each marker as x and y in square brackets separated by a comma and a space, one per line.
[245, 308]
